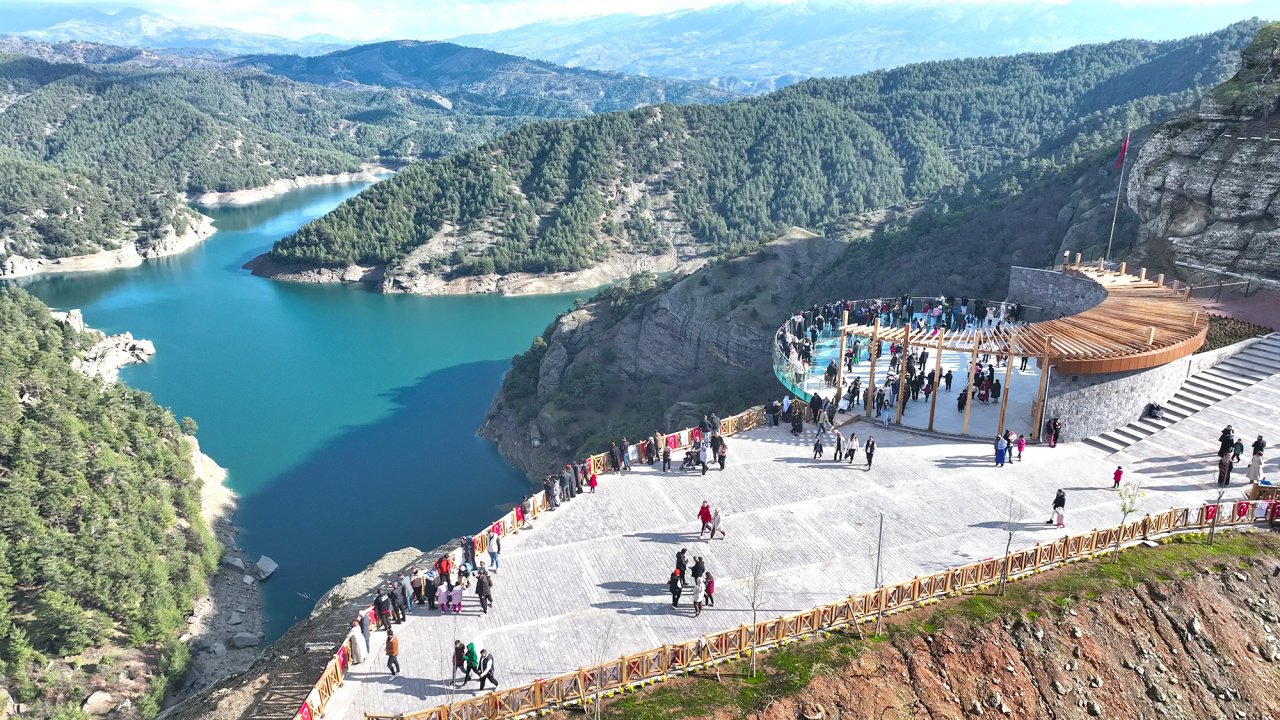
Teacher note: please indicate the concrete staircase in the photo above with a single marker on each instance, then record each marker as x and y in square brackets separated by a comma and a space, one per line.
[1208, 387]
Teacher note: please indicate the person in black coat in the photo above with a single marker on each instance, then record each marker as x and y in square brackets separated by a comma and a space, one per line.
[676, 586]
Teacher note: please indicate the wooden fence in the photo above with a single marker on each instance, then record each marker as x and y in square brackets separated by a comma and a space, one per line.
[659, 663]
[335, 670]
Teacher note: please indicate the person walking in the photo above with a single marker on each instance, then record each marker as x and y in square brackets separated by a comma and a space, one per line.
[1002, 449]
[1259, 445]
[817, 447]
[839, 449]
[666, 458]
[1224, 470]
[699, 596]
[676, 585]
[1059, 509]
[442, 596]
[711, 590]
[870, 450]
[715, 525]
[853, 447]
[393, 653]
[472, 663]
[459, 663]
[722, 453]
[1237, 450]
[703, 456]
[1254, 474]
[1116, 477]
[495, 547]
[487, 667]
[1021, 445]
[704, 517]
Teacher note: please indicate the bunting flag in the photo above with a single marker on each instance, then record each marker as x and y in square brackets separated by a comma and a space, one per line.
[1123, 149]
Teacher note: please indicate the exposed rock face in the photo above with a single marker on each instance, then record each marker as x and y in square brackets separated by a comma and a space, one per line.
[105, 358]
[1207, 189]
[658, 366]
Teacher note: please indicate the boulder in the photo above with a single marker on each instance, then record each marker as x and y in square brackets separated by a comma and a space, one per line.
[235, 619]
[218, 649]
[233, 562]
[248, 579]
[99, 702]
[6, 704]
[244, 640]
[266, 566]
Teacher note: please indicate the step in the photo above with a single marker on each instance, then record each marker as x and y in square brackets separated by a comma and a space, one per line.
[1130, 434]
[1208, 389]
[1241, 370]
[1262, 358]
[1208, 396]
[1174, 414]
[1153, 425]
[1214, 375]
[1183, 406]
[1101, 443]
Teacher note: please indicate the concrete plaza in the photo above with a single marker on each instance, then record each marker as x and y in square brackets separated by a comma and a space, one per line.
[587, 582]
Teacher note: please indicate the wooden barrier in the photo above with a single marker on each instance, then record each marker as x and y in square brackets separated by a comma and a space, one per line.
[657, 664]
[565, 687]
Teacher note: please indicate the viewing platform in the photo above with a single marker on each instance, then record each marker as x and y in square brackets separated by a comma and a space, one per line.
[587, 582]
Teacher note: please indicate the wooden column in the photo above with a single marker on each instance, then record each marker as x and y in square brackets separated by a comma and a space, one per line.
[1078, 258]
[871, 377]
[1038, 413]
[902, 372]
[1142, 274]
[1124, 267]
[937, 378]
[968, 402]
[844, 320]
[1160, 279]
[1008, 375]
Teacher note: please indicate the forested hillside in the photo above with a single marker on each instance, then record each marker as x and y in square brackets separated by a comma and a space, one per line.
[102, 546]
[484, 80]
[721, 179]
[92, 157]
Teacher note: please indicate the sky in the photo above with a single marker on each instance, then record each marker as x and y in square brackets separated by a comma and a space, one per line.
[434, 19]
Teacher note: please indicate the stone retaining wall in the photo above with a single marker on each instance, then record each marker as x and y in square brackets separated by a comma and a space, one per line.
[1058, 294]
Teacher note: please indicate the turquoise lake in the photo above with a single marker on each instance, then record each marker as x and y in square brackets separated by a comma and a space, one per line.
[346, 419]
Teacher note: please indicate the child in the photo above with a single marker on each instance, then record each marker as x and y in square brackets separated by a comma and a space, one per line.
[1022, 445]
[455, 597]
[817, 448]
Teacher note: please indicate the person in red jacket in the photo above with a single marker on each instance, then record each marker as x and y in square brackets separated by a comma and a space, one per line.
[704, 514]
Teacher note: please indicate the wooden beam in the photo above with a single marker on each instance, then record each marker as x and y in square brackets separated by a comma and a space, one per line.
[871, 371]
[969, 386]
[1038, 411]
[844, 321]
[1004, 398]
[937, 379]
[1142, 274]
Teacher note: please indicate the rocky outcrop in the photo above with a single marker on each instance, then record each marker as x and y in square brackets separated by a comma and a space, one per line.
[130, 254]
[113, 352]
[658, 365]
[1207, 189]
[367, 173]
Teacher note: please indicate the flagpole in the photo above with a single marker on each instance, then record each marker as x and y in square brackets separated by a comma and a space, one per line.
[1116, 212]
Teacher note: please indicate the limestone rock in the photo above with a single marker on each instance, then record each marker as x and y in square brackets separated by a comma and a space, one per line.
[99, 702]
[247, 579]
[233, 562]
[244, 640]
[1193, 626]
[235, 619]
[265, 567]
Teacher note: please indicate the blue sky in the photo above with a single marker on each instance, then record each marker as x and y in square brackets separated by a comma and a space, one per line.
[441, 19]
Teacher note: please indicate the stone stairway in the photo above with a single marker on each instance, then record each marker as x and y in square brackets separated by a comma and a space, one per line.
[1249, 366]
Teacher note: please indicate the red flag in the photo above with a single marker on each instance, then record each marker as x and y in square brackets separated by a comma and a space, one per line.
[1123, 149]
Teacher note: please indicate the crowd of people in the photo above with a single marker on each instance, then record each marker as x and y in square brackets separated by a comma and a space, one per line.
[1230, 452]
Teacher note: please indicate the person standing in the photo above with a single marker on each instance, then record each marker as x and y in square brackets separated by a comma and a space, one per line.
[715, 525]
[382, 605]
[1002, 448]
[1055, 430]
[722, 453]
[817, 447]
[711, 590]
[1224, 470]
[1254, 474]
[416, 581]
[1022, 445]
[1116, 477]
[393, 652]
[398, 601]
[682, 566]
[495, 547]
[870, 450]
[839, 449]
[484, 591]
[1259, 445]
[487, 667]
[699, 596]
[698, 569]
[592, 482]
[666, 458]
[455, 598]
[459, 663]
[676, 585]
[407, 587]
[362, 618]
[1237, 450]
[1059, 509]
[442, 596]
[359, 650]
[703, 456]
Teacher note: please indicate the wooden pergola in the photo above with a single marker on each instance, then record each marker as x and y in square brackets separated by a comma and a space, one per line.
[1140, 324]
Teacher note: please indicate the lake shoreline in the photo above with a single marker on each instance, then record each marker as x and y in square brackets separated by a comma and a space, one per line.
[368, 172]
[126, 256]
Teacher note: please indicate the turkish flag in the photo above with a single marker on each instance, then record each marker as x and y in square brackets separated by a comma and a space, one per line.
[1123, 149]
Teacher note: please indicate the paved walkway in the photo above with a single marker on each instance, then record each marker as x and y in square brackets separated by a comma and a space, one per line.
[588, 581]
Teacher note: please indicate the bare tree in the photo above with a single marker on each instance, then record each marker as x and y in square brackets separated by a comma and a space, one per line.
[1130, 494]
[753, 598]
[1012, 517]
[604, 643]
[1217, 506]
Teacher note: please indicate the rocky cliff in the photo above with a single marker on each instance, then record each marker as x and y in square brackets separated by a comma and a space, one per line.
[650, 358]
[1207, 185]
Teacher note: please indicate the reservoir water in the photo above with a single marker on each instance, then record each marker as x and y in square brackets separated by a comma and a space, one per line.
[346, 419]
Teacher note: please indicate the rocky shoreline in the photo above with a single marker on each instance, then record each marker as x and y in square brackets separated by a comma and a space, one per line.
[125, 256]
[368, 172]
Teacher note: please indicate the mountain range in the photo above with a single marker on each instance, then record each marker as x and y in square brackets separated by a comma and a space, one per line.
[759, 46]
[132, 27]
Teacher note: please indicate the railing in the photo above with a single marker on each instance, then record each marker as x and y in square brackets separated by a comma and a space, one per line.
[656, 664]
[335, 670]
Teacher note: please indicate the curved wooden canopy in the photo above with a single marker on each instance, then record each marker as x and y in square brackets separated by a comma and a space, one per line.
[1140, 324]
